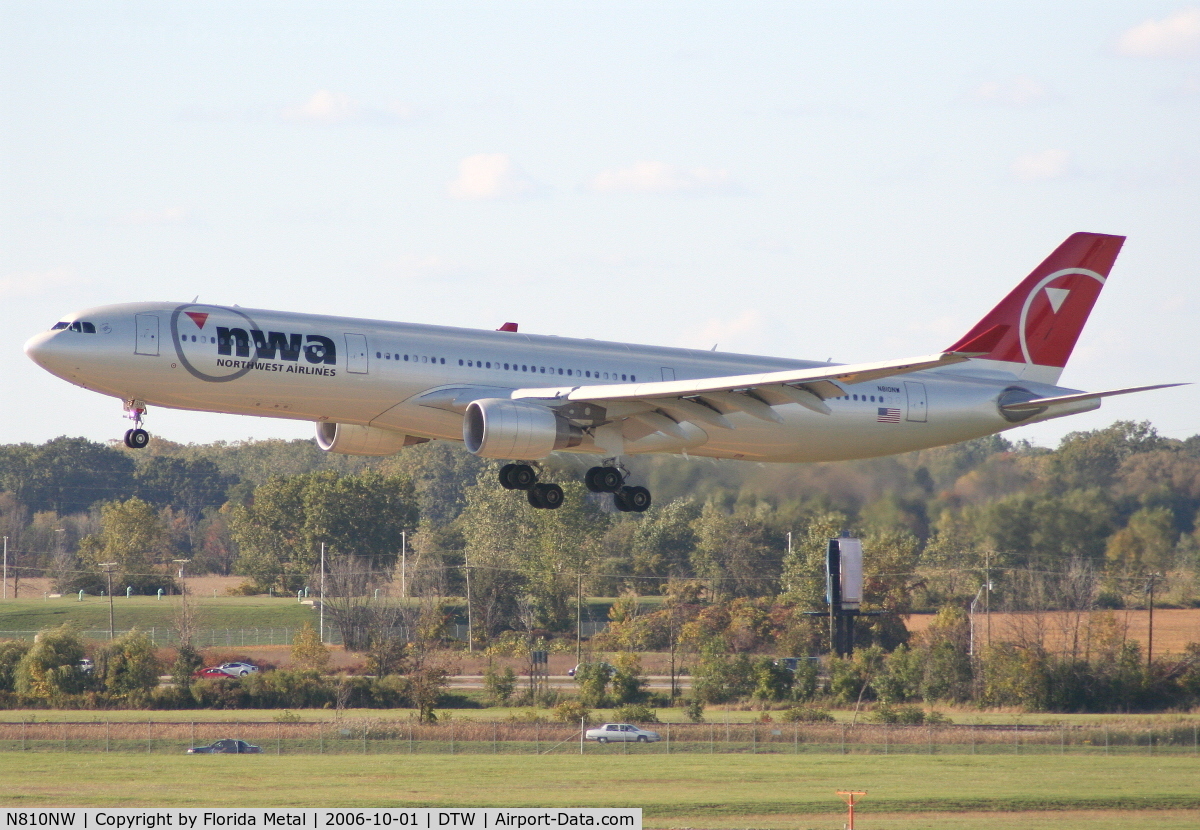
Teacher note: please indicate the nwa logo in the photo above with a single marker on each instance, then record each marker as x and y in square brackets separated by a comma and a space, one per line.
[316, 348]
[221, 353]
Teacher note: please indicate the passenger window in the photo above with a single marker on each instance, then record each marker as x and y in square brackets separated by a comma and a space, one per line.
[568, 373]
[560, 371]
[622, 377]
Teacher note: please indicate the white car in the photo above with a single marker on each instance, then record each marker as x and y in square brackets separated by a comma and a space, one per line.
[238, 669]
[621, 732]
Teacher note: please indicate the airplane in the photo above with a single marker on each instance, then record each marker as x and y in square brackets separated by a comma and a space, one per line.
[375, 387]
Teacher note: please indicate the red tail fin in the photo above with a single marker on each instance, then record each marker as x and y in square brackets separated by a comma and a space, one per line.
[1038, 323]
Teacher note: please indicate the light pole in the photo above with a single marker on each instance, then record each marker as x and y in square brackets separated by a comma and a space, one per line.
[404, 564]
[5, 592]
[108, 569]
[322, 634]
[974, 602]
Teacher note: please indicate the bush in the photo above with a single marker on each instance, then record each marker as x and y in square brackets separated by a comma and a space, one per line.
[805, 714]
[636, 713]
[907, 716]
[694, 709]
[499, 685]
[572, 711]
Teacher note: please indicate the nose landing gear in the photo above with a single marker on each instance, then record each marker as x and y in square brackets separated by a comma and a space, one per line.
[136, 438]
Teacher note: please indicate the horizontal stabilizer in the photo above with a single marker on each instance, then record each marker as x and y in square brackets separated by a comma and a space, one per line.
[1042, 403]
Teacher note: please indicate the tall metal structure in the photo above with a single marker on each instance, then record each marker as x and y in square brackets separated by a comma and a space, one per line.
[843, 590]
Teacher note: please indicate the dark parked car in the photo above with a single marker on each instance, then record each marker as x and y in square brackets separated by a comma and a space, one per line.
[227, 746]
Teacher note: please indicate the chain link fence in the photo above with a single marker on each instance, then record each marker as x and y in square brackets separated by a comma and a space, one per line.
[460, 736]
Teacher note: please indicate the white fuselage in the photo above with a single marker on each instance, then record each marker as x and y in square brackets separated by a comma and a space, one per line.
[381, 374]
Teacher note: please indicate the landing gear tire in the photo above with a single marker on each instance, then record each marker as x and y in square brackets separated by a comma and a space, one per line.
[603, 479]
[632, 499]
[136, 439]
[517, 477]
[546, 496]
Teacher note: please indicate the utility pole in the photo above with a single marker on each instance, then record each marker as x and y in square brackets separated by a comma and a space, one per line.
[1150, 635]
[108, 569]
[578, 617]
[404, 564]
[470, 624]
[987, 593]
[322, 617]
[5, 567]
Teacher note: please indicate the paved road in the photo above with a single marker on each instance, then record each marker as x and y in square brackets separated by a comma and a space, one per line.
[562, 681]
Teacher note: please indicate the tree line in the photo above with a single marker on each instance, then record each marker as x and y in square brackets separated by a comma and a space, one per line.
[1081, 528]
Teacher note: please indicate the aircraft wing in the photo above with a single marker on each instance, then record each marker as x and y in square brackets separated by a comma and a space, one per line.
[709, 400]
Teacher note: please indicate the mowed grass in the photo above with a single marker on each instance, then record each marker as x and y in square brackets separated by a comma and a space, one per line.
[674, 791]
[149, 612]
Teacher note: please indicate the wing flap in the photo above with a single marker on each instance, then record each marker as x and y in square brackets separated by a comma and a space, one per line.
[820, 381]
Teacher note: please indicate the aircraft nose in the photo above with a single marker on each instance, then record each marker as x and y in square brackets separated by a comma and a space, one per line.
[44, 350]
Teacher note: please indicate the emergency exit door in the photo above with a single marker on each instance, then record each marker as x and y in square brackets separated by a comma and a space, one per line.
[917, 404]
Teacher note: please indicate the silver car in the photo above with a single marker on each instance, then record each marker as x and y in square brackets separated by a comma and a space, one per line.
[621, 732]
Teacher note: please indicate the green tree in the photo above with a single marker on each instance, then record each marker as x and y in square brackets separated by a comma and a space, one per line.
[308, 652]
[133, 535]
[128, 668]
[49, 670]
[1146, 543]
[772, 682]
[357, 517]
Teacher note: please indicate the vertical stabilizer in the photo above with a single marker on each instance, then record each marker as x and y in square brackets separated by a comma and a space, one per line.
[1033, 330]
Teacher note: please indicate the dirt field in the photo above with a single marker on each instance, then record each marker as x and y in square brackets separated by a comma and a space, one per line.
[1173, 628]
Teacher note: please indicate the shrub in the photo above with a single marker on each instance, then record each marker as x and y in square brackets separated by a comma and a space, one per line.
[694, 709]
[636, 713]
[572, 711]
[499, 685]
[907, 716]
[805, 714]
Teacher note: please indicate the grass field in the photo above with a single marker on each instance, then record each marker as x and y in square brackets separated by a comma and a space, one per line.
[149, 612]
[692, 791]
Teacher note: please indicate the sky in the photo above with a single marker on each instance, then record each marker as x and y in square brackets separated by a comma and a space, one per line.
[854, 181]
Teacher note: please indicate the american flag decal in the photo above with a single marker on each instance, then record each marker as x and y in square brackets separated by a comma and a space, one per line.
[888, 415]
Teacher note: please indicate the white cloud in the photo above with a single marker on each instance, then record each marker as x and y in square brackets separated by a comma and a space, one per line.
[1170, 37]
[658, 177]
[491, 176]
[324, 107]
[1044, 164]
[329, 107]
[1020, 91]
[33, 284]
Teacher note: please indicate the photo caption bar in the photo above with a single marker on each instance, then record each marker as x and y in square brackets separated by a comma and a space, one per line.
[478, 818]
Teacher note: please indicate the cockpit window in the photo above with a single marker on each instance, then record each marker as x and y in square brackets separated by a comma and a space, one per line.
[80, 326]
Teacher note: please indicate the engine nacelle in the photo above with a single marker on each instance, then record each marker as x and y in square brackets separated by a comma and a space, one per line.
[499, 428]
[353, 439]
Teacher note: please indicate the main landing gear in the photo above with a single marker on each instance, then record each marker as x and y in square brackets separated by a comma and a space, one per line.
[136, 438]
[612, 480]
[607, 479]
[523, 477]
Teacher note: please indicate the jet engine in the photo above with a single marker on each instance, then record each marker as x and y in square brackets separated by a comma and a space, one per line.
[353, 439]
[499, 428]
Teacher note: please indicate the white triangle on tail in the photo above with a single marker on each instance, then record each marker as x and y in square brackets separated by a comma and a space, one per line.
[1056, 296]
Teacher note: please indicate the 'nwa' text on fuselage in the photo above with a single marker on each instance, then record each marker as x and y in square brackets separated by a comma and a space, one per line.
[236, 342]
